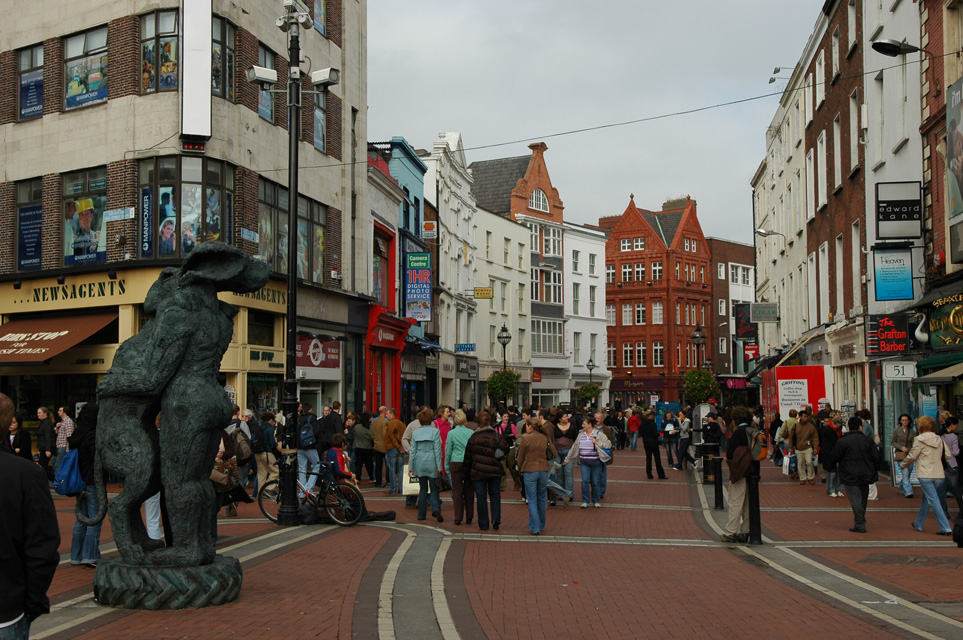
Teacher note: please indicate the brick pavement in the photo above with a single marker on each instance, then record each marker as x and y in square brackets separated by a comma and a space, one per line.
[331, 582]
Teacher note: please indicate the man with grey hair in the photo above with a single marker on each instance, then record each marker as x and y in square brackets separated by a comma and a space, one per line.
[29, 538]
[378, 426]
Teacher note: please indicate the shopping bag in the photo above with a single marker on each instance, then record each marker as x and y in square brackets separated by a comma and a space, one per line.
[410, 486]
[68, 479]
[790, 465]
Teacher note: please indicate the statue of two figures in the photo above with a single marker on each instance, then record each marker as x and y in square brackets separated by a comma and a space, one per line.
[170, 367]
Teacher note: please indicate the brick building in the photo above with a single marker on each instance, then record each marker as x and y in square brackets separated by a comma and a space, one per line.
[657, 291]
[732, 283]
[131, 138]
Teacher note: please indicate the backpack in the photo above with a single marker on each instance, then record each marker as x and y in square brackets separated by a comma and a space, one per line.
[68, 480]
[257, 439]
[243, 448]
[758, 443]
[306, 436]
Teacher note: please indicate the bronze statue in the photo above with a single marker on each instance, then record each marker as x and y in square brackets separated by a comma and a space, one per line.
[171, 367]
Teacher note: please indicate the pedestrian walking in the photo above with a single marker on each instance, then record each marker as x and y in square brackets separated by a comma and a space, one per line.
[828, 437]
[85, 545]
[633, 423]
[462, 488]
[378, 426]
[670, 437]
[64, 428]
[927, 452]
[534, 451]
[363, 446]
[19, 439]
[685, 441]
[426, 463]
[741, 465]
[650, 441]
[590, 451]
[46, 442]
[856, 459]
[565, 433]
[902, 441]
[952, 470]
[485, 470]
[805, 441]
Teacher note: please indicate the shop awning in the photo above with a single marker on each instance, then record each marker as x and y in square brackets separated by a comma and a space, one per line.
[37, 341]
[428, 345]
[940, 360]
[764, 363]
[949, 375]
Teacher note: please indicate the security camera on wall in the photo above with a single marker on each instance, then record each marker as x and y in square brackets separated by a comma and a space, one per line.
[325, 77]
[263, 76]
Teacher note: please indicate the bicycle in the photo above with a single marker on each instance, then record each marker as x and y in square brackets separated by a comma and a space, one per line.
[342, 501]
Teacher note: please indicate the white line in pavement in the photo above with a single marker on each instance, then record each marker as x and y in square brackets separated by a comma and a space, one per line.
[386, 621]
[829, 592]
[442, 613]
[73, 623]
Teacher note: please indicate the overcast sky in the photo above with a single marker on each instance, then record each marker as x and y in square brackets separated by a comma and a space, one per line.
[505, 70]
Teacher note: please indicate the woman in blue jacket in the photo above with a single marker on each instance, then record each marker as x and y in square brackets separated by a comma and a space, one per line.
[425, 463]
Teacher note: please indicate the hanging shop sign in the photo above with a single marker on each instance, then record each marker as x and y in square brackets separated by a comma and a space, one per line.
[418, 286]
[899, 210]
[893, 274]
[314, 352]
[887, 334]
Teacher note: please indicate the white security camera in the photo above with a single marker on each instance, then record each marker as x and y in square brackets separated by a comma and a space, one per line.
[262, 75]
[325, 77]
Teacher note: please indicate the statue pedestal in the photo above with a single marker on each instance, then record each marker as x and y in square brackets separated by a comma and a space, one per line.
[126, 586]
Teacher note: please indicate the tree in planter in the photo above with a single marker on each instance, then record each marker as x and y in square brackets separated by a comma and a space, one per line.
[502, 385]
[699, 386]
[588, 392]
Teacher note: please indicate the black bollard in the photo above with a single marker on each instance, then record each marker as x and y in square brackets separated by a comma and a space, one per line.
[755, 523]
[717, 472]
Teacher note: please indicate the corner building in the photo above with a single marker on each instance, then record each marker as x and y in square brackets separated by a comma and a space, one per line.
[130, 137]
[656, 293]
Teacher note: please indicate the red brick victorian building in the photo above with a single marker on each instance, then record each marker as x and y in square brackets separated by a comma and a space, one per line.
[657, 273]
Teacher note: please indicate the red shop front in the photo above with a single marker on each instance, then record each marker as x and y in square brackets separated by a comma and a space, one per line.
[384, 343]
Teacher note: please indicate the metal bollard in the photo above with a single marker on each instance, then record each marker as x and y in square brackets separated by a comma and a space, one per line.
[717, 472]
[755, 523]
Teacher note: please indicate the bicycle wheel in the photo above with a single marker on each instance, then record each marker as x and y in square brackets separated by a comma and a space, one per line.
[344, 503]
[269, 500]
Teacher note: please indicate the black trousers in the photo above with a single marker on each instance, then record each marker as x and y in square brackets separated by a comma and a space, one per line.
[858, 495]
[364, 461]
[652, 450]
[379, 466]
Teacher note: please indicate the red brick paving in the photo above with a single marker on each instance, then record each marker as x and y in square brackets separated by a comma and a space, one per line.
[633, 592]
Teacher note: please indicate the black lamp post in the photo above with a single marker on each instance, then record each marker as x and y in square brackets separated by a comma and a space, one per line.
[504, 337]
[707, 364]
[698, 336]
[590, 365]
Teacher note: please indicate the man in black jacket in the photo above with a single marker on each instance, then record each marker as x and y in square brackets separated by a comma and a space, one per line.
[29, 538]
[857, 460]
[46, 442]
[741, 465]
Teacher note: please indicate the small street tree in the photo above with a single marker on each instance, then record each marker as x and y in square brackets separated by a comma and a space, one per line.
[588, 392]
[502, 385]
[699, 386]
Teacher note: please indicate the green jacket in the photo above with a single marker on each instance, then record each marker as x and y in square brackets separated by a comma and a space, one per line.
[455, 447]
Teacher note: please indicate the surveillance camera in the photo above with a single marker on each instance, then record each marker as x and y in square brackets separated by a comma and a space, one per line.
[325, 77]
[262, 75]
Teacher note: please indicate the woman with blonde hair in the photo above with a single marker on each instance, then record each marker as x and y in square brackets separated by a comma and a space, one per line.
[462, 488]
[927, 452]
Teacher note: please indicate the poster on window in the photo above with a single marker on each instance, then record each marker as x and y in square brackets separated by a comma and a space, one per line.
[317, 254]
[167, 230]
[168, 63]
[265, 105]
[86, 81]
[217, 68]
[319, 17]
[148, 72]
[212, 215]
[283, 245]
[84, 230]
[319, 127]
[29, 227]
[265, 235]
[418, 286]
[146, 222]
[893, 274]
[191, 207]
[303, 252]
[954, 148]
[31, 94]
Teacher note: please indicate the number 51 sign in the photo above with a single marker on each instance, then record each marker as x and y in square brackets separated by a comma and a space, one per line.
[899, 370]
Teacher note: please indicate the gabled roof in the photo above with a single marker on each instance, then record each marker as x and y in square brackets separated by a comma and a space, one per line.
[665, 223]
[494, 181]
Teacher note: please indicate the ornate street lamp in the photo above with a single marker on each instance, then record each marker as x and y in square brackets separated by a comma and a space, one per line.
[590, 365]
[707, 364]
[504, 337]
[698, 336]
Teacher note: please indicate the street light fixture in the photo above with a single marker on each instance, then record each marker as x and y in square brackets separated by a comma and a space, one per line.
[296, 14]
[504, 337]
[590, 365]
[765, 233]
[893, 48]
[707, 364]
[698, 336]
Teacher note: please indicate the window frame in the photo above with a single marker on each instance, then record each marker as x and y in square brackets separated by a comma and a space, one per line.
[538, 201]
[265, 99]
[27, 81]
[158, 40]
[82, 61]
[29, 202]
[225, 46]
[638, 244]
[92, 196]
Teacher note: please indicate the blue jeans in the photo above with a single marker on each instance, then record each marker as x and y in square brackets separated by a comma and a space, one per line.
[833, 484]
[308, 457]
[592, 480]
[536, 490]
[395, 461]
[484, 489]
[905, 487]
[85, 545]
[931, 487]
[564, 476]
[953, 485]
[671, 444]
[58, 458]
[429, 491]
[634, 439]
[20, 630]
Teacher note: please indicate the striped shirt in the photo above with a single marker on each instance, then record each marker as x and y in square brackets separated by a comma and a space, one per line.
[586, 448]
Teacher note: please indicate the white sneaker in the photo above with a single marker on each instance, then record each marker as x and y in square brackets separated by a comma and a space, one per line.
[585, 505]
[598, 505]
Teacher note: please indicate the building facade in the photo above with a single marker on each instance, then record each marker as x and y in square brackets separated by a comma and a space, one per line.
[130, 138]
[657, 292]
[732, 279]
